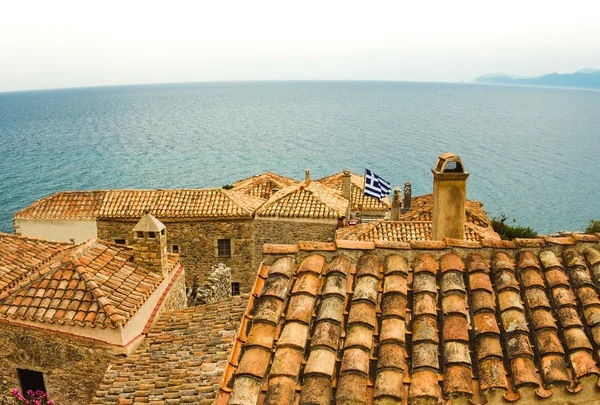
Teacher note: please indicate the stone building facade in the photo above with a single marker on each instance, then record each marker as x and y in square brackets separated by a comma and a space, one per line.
[196, 242]
[67, 310]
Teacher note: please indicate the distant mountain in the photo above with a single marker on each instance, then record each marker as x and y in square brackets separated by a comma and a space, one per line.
[584, 78]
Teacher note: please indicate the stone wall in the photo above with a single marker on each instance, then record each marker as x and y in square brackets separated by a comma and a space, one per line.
[281, 231]
[72, 367]
[197, 241]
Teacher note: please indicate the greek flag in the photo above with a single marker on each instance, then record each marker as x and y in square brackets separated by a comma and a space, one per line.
[375, 186]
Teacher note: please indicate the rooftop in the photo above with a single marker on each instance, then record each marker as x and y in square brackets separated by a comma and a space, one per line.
[181, 360]
[422, 207]
[403, 231]
[92, 284]
[359, 199]
[306, 199]
[132, 204]
[425, 321]
[262, 185]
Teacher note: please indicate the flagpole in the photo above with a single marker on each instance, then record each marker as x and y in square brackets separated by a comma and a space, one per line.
[363, 199]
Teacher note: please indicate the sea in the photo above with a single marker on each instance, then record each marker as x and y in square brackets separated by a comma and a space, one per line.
[532, 152]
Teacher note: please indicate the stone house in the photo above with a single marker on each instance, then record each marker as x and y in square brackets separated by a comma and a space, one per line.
[206, 226]
[306, 210]
[67, 310]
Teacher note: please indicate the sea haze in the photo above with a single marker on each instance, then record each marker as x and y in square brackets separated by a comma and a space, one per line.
[532, 152]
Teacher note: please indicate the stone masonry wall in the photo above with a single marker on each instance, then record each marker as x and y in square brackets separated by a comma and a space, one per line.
[197, 241]
[72, 367]
[280, 231]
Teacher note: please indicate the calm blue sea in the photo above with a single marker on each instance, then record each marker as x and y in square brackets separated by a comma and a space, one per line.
[532, 153]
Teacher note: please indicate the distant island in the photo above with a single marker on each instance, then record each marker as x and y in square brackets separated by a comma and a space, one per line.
[584, 78]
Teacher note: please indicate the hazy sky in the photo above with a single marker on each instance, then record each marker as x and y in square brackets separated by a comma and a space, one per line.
[52, 44]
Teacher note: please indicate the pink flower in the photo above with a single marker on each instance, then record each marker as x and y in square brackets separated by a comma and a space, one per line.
[50, 402]
[16, 392]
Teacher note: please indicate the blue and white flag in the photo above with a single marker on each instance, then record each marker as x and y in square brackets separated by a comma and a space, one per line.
[375, 186]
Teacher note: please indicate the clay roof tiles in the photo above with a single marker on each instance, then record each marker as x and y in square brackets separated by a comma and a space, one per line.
[262, 185]
[422, 206]
[131, 204]
[307, 199]
[433, 323]
[404, 231]
[359, 199]
[92, 284]
[181, 360]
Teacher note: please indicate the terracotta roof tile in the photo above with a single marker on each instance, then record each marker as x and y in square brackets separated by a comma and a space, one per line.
[428, 326]
[404, 231]
[358, 198]
[127, 204]
[262, 185]
[181, 360]
[308, 199]
[87, 285]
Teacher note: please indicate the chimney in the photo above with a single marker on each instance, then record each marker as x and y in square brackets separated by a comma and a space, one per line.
[396, 205]
[347, 184]
[307, 174]
[406, 206]
[449, 197]
[150, 244]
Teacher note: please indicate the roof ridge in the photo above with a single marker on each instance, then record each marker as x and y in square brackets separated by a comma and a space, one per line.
[27, 278]
[322, 188]
[236, 200]
[281, 194]
[15, 236]
[115, 318]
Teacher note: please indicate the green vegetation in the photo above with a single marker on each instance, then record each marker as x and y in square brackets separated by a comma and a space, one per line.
[227, 187]
[508, 232]
[593, 226]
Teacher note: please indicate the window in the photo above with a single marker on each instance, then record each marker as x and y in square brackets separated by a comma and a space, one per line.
[152, 235]
[224, 247]
[140, 234]
[235, 289]
[120, 241]
[162, 232]
[175, 249]
[31, 380]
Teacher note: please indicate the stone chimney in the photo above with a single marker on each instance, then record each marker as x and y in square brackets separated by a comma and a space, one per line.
[449, 198]
[347, 184]
[396, 205]
[150, 244]
[307, 174]
[406, 206]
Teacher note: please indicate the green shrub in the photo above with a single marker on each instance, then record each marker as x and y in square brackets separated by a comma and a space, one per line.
[508, 232]
[227, 187]
[593, 226]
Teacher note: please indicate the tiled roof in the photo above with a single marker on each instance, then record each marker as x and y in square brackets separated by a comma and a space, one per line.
[359, 199]
[403, 231]
[92, 284]
[422, 206]
[181, 361]
[65, 205]
[423, 323]
[307, 199]
[131, 204]
[262, 185]
[20, 255]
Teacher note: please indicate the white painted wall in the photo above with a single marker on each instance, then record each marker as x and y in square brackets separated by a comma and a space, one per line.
[57, 229]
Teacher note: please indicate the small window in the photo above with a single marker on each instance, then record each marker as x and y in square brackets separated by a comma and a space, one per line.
[120, 241]
[152, 235]
[31, 380]
[235, 289]
[140, 234]
[162, 232]
[224, 247]
[175, 249]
